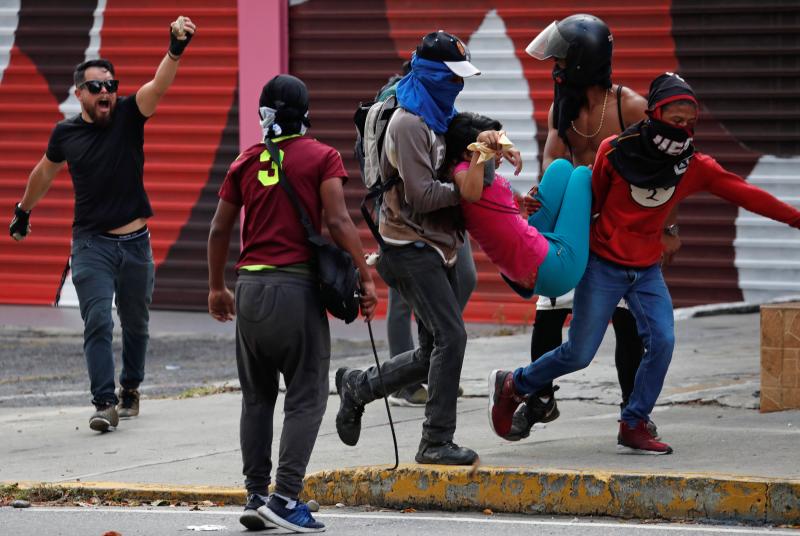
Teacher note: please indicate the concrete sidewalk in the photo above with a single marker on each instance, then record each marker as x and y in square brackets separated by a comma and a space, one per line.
[730, 461]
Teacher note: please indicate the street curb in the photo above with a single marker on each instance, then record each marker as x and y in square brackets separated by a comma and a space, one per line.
[514, 490]
[521, 490]
[118, 491]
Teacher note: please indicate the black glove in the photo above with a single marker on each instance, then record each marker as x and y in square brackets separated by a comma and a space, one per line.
[20, 225]
[176, 46]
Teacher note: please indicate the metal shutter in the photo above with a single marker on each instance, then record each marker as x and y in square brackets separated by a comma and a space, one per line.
[741, 59]
[188, 143]
[346, 50]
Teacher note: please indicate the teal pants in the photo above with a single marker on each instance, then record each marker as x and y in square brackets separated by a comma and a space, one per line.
[565, 193]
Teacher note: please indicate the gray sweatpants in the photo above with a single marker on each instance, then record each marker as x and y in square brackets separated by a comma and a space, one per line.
[281, 327]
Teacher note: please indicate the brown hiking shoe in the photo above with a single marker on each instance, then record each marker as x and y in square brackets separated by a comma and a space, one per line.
[104, 419]
[128, 403]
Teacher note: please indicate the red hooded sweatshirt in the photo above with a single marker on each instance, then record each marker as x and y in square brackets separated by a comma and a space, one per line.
[628, 221]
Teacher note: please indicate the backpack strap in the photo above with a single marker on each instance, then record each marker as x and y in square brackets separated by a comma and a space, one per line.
[376, 196]
[376, 192]
[313, 236]
[619, 108]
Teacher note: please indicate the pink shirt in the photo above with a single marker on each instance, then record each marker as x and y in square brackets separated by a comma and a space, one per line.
[512, 245]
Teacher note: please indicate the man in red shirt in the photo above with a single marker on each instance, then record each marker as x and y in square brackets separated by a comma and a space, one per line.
[281, 325]
[587, 108]
[638, 177]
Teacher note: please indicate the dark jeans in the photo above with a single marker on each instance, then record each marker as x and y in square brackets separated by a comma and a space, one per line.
[431, 289]
[281, 328]
[398, 313]
[102, 270]
[627, 353]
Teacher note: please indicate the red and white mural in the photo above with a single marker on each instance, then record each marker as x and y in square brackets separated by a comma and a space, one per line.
[741, 60]
[736, 57]
[188, 142]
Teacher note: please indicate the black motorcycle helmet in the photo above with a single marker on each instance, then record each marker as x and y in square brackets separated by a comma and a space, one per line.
[584, 42]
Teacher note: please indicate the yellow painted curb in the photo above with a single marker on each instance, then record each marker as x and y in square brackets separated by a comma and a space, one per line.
[628, 495]
[115, 491]
[513, 490]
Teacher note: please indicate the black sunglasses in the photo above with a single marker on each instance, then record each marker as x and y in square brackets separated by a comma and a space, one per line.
[96, 86]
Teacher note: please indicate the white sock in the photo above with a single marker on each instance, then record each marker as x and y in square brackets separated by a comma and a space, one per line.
[544, 399]
[290, 503]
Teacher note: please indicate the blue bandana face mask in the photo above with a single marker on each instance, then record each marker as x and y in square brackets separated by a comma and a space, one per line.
[429, 92]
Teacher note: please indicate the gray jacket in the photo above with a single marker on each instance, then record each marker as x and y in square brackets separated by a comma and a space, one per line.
[419, 207]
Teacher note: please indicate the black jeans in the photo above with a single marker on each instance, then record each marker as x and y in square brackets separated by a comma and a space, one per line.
[417, 272]
[398, 313]
[281, 328]
[627, 355]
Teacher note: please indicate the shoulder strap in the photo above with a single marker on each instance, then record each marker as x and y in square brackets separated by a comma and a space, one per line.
[619, 108]
[313, 236]
[388, 109]
[376, 195]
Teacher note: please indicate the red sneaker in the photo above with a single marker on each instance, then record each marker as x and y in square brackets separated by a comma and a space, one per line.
[638, 440]
[503, 401]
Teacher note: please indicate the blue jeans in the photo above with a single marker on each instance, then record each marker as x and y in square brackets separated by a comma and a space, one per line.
[596, 296]
[566, 197]
[103, 269]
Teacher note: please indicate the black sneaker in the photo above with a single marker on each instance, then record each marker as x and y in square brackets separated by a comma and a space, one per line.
[297, 519]
[348, 419]
[531, 412]
[413, 396]
[128, 403]
[250, 517]
[447, 453]
[105, 418]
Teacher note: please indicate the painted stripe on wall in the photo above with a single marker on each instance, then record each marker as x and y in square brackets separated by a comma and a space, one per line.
[9, 18]
[70, 107]
[502, 92]
[767, 251]
[263, 53]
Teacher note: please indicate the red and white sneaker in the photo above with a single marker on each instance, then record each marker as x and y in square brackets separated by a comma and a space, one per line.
[638, 440]
[503, 401]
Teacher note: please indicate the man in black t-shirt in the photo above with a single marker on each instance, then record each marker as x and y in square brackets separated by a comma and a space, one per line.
[111, 254]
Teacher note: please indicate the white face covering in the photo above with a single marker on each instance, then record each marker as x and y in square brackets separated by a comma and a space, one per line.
[269, 128]
[268, 125]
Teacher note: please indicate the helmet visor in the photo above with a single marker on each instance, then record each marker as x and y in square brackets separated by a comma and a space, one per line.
[548, 44]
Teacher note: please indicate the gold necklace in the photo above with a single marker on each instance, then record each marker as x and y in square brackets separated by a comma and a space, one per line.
[602, 117]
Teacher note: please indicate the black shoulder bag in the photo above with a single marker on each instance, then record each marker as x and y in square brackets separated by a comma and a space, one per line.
[338, 275]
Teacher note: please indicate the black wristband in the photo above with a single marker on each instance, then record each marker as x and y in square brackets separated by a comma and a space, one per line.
[20, 224]
[176, 46]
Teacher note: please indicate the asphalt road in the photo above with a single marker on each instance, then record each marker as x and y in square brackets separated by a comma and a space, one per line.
[47, 367]
[44, 367]
[165, 521]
